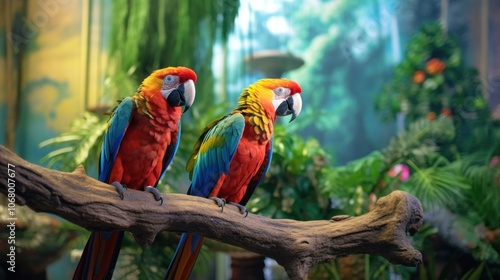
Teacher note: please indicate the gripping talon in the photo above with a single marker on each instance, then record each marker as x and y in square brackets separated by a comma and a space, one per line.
[120, 189]
[221, 202]
[156, 193]
[243, 209]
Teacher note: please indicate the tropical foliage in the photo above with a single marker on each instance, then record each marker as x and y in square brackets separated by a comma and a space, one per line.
[148, 35]
[446, 154]
[292, 188]
[431, 157]
[432, 80]
[80, 144]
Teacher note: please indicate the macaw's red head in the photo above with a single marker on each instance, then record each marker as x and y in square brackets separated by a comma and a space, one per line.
[176, 85]
[282, 94]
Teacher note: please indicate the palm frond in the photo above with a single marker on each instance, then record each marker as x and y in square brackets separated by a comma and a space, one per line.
[441, 184]
[365, 172]
[419, 140]
[485, 192]
[77, 145]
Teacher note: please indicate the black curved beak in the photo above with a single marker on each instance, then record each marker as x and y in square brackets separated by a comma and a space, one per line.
[292, 105]
[183, 95]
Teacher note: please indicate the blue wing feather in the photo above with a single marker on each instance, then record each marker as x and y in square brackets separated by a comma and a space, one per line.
[170, 152]
[215, 154]
[117, 127]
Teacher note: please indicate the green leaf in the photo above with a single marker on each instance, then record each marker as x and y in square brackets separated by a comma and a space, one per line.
[430, 84]
[419, 140]
[474, 273]
[75, 146]
[454, 59]
[437, 185]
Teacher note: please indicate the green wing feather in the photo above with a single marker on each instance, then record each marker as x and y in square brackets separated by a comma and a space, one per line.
[213, 153]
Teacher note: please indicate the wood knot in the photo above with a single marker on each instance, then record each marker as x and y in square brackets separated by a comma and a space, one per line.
[80, 170]
[339, 218]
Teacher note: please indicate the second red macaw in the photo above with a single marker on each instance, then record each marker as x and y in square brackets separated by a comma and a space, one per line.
[139, 144]
[232, 155]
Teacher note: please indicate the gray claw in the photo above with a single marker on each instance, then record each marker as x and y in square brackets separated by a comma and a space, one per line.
[243, 209]
[157, 194]
[120, 189]
[221, 202]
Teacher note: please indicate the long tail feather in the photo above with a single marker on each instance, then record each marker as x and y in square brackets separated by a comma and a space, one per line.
[99, 256]
[185, 257]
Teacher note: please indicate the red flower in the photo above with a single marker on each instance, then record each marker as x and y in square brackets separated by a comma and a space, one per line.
[434, 66]
[446, 112]
[431, 116]
[418, 77]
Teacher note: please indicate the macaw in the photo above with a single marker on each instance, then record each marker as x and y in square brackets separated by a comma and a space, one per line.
[140, 142]
[232, 156]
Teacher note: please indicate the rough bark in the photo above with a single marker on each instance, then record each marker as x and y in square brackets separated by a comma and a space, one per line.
[296, 245]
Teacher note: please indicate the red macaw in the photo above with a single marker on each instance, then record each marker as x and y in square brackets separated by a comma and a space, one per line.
[140, 142]
[232, 156]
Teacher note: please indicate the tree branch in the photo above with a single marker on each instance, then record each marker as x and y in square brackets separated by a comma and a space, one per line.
[296, 245]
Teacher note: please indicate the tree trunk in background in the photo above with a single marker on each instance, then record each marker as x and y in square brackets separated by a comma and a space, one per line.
[250, 267]
[14, 47]
[443, 18]
[485, 33]
[493, 56]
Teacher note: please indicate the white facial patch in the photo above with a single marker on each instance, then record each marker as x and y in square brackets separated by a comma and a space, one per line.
[280, 94]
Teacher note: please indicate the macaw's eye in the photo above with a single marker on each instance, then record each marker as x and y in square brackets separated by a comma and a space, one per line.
[281, 92]
[170, 80]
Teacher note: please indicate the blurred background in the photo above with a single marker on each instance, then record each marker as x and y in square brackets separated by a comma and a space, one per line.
[398, 94]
